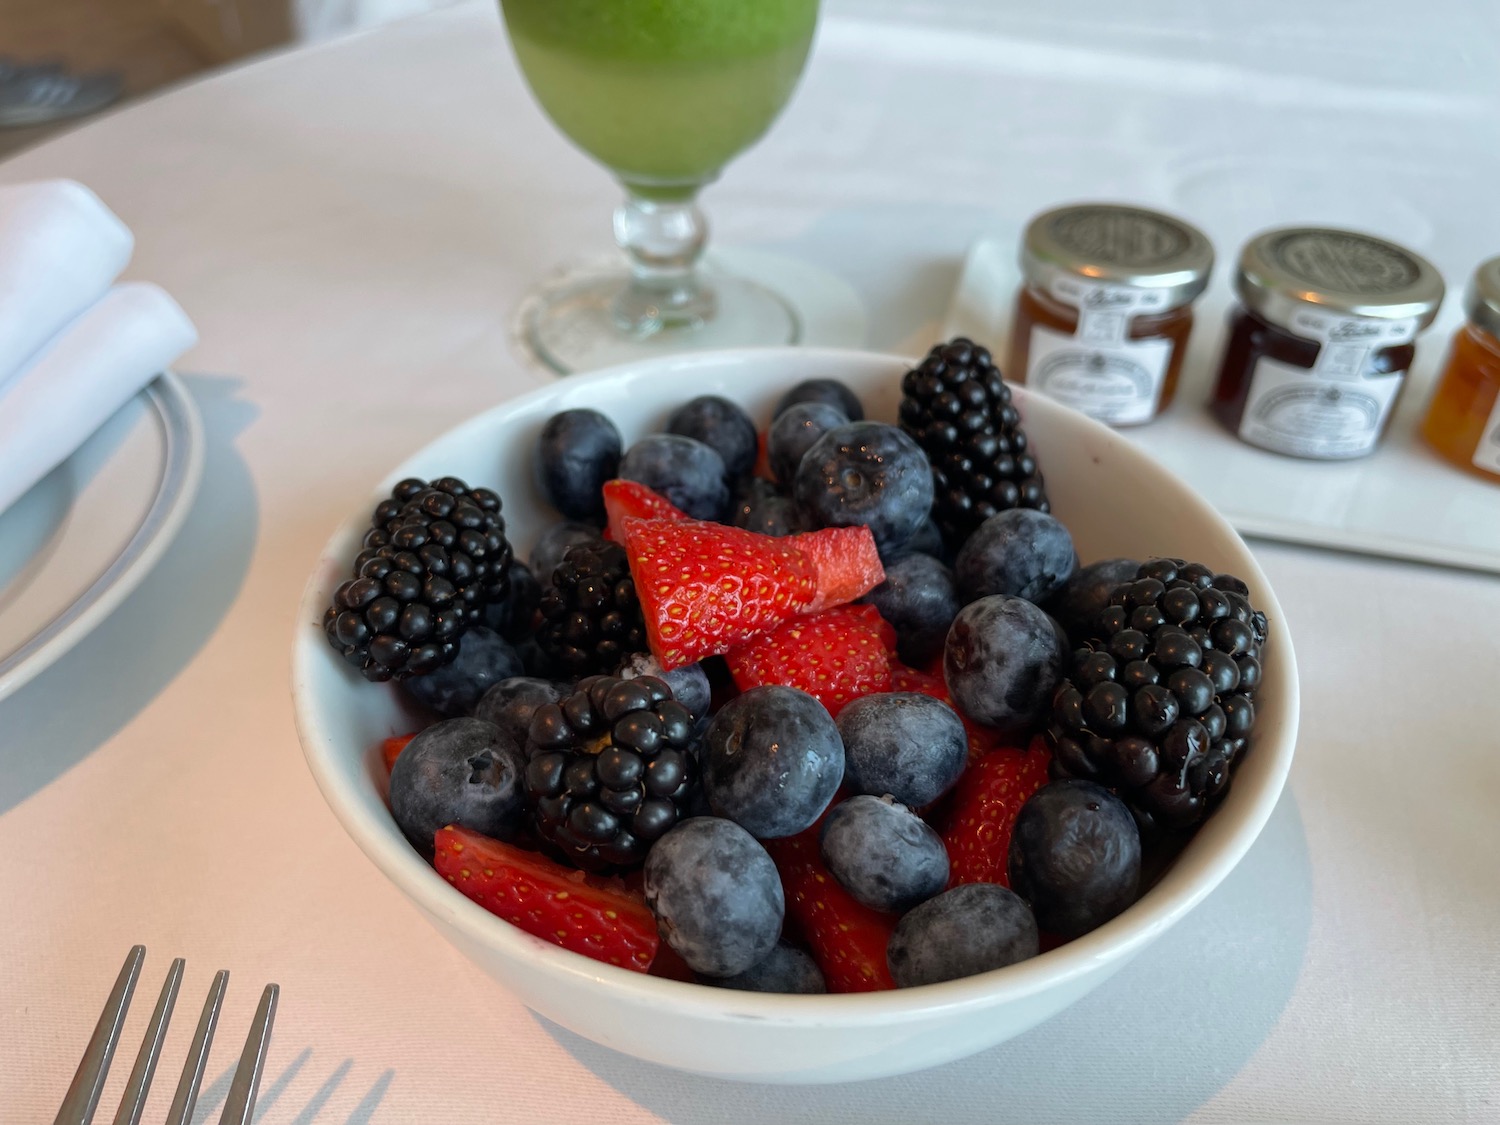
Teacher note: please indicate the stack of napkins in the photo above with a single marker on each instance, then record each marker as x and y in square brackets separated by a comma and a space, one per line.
[74, 346]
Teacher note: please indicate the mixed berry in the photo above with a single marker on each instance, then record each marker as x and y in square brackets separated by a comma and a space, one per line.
[820, 705]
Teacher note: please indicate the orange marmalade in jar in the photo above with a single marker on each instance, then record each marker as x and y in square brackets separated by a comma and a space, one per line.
[1463, 421]
[1103, 317]
[1319, 349]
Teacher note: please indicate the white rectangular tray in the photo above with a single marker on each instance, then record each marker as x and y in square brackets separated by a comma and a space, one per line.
[1402, 501]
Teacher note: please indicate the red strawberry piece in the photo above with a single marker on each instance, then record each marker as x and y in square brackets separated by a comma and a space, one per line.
[584, 913]
[983, 812]
[982, 739]
[630, 498]
[837, 656]
[763, 459]
[847, 563]
[670, 966]
[706, 588]
[391, 749]
[904, 678]
[847, 938]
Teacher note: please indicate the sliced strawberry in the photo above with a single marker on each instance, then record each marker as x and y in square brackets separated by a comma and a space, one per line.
[706, 588]
[837, 655]
[904, 678]
[847, 938]
[670, 965]
[631, 498]
[763, 459]
[587, 914]
[982, 739]
[983, 811]
[391, 749]
[846, 561]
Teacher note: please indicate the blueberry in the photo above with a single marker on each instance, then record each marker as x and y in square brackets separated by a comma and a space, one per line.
[716, 895]
[795, 431]
[459, 771]
[577, 452]
[883, 854]
[970, 929]
[515, 617]
[1082, 598]
[689, 683]
[1075, 854]
[829, 391]
[722, 426]
[759, 507]
[910, 746]
[536, 663]
[484, 659]
[866, 473]
[684, 470]
[1003, 660]
[926, 540]
[511, 703]
[553, 544]
[919, 597]
[772, 760]
[785, 969]
[1021, 552]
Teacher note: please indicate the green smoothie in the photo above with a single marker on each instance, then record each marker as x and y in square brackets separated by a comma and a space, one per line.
[662, 92]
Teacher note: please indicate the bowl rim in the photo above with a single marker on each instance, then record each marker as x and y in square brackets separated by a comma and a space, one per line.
[1167, 902]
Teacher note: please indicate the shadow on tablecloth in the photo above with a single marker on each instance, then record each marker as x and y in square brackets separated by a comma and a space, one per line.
[274, 1089]
[1150, 1045]
[59, 718]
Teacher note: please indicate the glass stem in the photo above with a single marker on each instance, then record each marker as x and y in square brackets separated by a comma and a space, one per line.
[663, 240]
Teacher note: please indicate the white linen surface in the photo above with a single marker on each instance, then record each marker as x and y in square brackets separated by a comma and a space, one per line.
[354, 223]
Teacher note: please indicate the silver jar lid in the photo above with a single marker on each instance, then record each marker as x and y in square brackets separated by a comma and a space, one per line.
[1341, 272]
[1114, 244]
[1483, 301]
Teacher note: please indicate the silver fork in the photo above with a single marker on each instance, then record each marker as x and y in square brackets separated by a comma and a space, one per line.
[83, 1095]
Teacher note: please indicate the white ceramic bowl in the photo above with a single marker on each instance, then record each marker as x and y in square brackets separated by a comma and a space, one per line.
[1115, 499]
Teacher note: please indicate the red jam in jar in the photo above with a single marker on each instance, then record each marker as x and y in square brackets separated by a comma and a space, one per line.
[1463, 420]
[1102, 320]
[1319, 348]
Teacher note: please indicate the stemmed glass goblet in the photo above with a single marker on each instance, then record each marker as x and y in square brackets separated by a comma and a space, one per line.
[663, 93]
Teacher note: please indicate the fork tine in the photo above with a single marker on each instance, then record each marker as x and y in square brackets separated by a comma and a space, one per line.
[134, 1101]
[88, 1082]
[181, 1112]
[239, 1107]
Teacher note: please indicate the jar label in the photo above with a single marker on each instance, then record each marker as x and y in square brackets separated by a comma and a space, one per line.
[1105, 311]
[1117, 383]
[1348, 341]
[1487, 452]
[1292, 410]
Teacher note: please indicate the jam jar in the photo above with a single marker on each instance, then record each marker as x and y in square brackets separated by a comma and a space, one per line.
[1103, 316]
[1319, 348]
[1463, 421]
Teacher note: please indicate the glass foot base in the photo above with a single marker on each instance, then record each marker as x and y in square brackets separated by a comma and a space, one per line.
[573, 324]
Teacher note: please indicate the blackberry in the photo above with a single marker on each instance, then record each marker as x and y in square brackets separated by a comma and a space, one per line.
[611, 768]
[1160, 700]
[433, 561]
[958, 408]
[591, 618]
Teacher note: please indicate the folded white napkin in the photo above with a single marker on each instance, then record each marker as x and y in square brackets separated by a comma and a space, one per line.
[60, 249]
[72, 349]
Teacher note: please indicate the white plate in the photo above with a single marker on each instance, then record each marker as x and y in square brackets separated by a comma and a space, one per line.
[85, 535]
[1402, 501]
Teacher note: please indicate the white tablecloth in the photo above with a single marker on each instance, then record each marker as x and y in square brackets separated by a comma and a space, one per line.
[350, 227]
